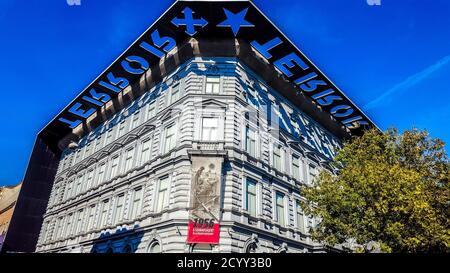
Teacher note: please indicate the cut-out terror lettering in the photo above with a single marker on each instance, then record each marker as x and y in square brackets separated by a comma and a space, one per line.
[304, 76]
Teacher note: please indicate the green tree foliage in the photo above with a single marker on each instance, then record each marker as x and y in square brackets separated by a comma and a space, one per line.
[388, 188]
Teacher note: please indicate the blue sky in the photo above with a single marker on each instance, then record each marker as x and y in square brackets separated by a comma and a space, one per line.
[392, 60]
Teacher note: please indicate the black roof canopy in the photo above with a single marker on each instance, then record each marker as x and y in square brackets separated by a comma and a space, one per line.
[209, 19]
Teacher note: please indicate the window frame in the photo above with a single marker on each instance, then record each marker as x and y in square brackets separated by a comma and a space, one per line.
[149, 140]
[106, 206]
[166, 148]
[165, 203]
[284, 207]
[281, 157]
[101, 175]
[90, 176]
[174, 86]
[129, 160]
[136, 205]
[301, 226]
[217, 84]
[135, 119]
[248, 128]
[116, 171]
[297, 168]
[255, 195]
[151, 109]
[91, 220]
[119, 215]
[121, 128]
[217, 128]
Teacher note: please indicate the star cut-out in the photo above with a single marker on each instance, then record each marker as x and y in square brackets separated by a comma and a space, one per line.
[235, 20]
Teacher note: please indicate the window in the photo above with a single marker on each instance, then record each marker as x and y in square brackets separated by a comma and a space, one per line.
[109, 136]
[60, 226]
[54, 235]
[137, 203]
[87, 151]
[212, 84]
[300, 217]
[58, 195]
[163, 194]
[201, 248]
[210, 129]
[94, 144]
[250, 141]
[71, 160]
[69, 190]
[145, 155]
[47, 233]
[79, 222]
[114, 166]
[129, 159]
[121, 131]
[54, 199]
[170, 139]
[44, 232]
[104, 216]
[83, 183]
[251, 248]
[279, 199]
[77, 156]
[91, 217]
[154, 248]
[174, 93]
[135, 120]
[90, 178]
[101, 173]
[151, 112]
[78, 186]
[296, 167]
[98, 142]
[277, 157]
[69, 225]
[313, 172]
[119, 208]
[251, 197]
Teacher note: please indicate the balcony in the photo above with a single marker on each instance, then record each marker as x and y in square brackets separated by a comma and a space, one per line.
[202, 147]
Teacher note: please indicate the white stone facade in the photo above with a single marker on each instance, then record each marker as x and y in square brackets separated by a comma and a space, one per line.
[125, 187]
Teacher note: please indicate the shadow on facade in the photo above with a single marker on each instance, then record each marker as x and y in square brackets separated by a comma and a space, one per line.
[122, 240]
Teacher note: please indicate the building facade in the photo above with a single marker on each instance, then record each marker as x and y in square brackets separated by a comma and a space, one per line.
[214, 124]
[126, 185]
[8, 198]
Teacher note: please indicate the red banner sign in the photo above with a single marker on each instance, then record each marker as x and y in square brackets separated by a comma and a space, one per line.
[203, 233]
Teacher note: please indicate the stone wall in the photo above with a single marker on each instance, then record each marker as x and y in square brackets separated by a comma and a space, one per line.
[110, 192]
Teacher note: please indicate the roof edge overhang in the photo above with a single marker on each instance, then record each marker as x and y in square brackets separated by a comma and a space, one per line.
[285, 57]
[193, 48]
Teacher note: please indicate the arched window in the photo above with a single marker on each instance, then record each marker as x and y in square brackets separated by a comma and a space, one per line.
[251, 245]
[154, 247]
[201, 248]
[251, 248]
[127, 249]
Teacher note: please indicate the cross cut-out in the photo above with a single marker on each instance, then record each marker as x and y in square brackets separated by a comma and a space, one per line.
[189, 21]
